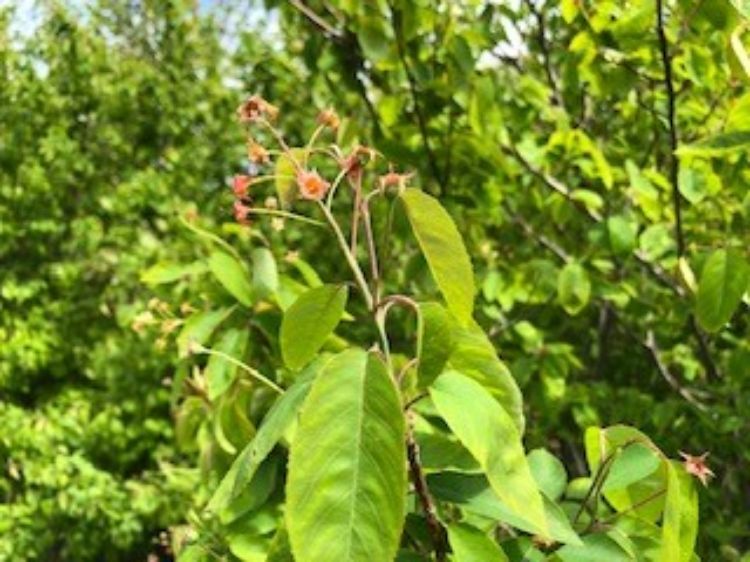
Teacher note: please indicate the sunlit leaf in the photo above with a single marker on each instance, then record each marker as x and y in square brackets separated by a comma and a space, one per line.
[309, 321]
[488, 432]
[724, 279]
[347, 466]
[444, 250]
[232, 275]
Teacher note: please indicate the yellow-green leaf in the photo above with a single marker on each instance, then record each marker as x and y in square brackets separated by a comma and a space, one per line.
[232, 275]
[724, 279]
[308, 323]
[347, 467]
[444, 250]
[488, 432]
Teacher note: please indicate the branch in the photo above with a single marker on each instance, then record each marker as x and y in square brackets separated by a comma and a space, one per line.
[314, 18]
[546, 56]
[674, 163]
[437, 533]
[553, 183]
[650, 344]
[674, 173]
[413, 90]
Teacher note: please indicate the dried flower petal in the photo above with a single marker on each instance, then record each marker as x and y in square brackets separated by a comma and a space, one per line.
[328, 118]
[255, 107]
[393, 179]
[256, 153]
[696, 466]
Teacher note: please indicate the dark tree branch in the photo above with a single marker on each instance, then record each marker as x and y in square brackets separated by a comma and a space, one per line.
[674, 163]
[437, 533]
[674, 174]
[546, 54]
[414, 92]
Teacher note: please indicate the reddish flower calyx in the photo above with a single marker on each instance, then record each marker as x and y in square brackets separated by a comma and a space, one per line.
[393, 179]
[328, 118]
[257, 154]
[311, 185]
[241, 212]
[354, 163]
[241, 185]
[254, 108]
[696, 466]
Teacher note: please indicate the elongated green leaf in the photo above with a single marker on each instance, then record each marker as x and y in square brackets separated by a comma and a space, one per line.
[472, 545]
[595, 548]
[632, 464]
[199, 328]
[680, 522]
[265, 274]
[474, 356]
[488, 432]
[718, 145]
[308, 323]
[444, 250]
[275, 423]
[167, 272]
[473, 494]
[644, 497]
[573, 288]
[219, 372]
[725, 278]
[347, 466]
[435, 342]
[232, 275]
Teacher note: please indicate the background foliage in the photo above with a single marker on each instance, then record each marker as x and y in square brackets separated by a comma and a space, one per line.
[544, 128]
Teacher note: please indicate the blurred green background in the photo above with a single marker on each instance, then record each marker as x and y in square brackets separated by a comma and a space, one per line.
[542, 126]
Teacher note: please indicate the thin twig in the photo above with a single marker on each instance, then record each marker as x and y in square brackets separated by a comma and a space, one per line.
[650, 344]
[319, 22]
[437, 533]
[674, 163]
[674, 173]
[546, 55]
[413, 90]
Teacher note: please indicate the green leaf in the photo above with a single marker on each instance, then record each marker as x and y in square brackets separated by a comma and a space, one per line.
[724, 279]
[219, 372]
[742, 6]
[265, 273]
[347, 466]
[573, 288]
[595, 548]
[275, 423]
[622, 234]
[285, 173]
[444, 250]
[471, 545]
[473, 494]
[435, 342]
[308, 323]
[474, 356]
[168, 272]
[548, 472]
[680, 523]
[718, 145]
[490, 435]
[232, 275]
[199, 327]
[644, 497]
[632, 464]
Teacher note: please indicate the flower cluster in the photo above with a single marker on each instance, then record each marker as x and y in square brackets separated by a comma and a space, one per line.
[309, 183]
